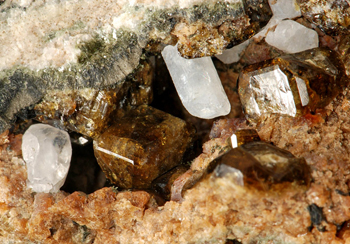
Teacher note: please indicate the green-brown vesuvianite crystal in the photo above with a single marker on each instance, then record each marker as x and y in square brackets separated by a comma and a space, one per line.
[260, 165]
[139, 147]
[96, 44]
[291, 85]
[88, 110]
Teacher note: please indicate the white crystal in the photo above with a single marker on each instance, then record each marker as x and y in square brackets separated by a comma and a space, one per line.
[198, 84]
[281, 9]
[285, 9]
[47, 152]
[270, 88]
[234, 142]
[292, 37]
[232, 55]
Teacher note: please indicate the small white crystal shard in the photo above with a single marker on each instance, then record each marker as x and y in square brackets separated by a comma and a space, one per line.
[198, 84]
[292, 37]
[234, 142]
[47, 152]
[232, 55]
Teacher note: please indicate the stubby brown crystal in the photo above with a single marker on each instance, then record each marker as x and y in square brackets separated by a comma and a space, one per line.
[85, 111]
[261, 165]
[139, 147]
[291, 85]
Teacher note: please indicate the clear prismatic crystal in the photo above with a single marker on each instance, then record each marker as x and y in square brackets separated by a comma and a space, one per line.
[291, 85]
[47, 152]
[198, 84]
[292, 37]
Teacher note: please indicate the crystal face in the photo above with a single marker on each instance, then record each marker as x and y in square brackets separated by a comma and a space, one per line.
[292, 37]
[198, 84]
[261, 165]
[47, 152]
[291, 85]
[139, 147]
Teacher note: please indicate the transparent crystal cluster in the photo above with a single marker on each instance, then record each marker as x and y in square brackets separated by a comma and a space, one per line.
[47, 152]
[198, 84]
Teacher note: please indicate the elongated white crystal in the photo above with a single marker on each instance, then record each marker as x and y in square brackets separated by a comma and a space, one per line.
[47, 152]
[198, 84]
[292, 37]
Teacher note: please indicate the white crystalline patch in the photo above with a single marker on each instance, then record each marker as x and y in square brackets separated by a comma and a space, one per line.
[271, 93]
[232, 55]
[285, 9]
[234, 142]
[198, 84]
[292, 37]
[47, 152]
[303, 94]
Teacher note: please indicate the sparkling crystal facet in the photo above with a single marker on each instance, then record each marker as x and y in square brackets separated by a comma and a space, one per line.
[292, 37]
[139, 147]
[47, 152]
[262, 165]
[292, 84]
[198, 84]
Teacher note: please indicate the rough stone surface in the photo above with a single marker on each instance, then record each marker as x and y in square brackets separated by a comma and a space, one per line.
[47, 152]
[332, 16]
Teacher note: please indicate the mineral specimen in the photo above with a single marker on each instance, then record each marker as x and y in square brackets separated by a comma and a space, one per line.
[300, 38]
[241, 137]
[82, 44]
[47, 152]
[198, 84]
[263, 165]
[139, 147]
[292, 84]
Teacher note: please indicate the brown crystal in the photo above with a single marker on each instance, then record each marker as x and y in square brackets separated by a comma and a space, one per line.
[139, 147]
[291, 85]
[162, 184]
[85, 111]
[261, 165]
[344, 51]
[245, 136]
